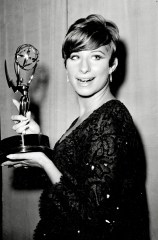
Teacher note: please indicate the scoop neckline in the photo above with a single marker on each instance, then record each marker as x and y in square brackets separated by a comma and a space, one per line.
[73, 123]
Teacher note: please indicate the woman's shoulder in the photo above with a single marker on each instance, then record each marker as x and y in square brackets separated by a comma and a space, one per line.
[114, 108]
[114, 114]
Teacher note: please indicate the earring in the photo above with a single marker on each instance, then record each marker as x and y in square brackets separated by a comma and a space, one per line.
[110, 77]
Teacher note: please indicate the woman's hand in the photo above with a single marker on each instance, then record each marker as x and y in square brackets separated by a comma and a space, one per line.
[34, 159]
[24, 124]
[29, 159]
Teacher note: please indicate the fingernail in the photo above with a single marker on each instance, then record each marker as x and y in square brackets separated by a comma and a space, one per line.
[10, 156]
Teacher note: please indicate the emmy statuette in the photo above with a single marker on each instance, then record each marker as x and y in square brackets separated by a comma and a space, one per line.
[26, 59]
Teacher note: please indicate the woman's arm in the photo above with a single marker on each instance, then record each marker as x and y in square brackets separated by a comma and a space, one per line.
[34, 159]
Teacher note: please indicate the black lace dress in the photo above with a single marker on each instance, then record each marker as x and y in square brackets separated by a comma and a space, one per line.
[101, 195]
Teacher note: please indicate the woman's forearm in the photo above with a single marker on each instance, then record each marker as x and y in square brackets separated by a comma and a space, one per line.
[52, 171]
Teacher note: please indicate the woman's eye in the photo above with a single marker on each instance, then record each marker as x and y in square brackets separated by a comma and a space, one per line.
[74, 57]
[96, 57]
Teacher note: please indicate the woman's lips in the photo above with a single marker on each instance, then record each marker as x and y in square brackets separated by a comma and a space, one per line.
[85, 79]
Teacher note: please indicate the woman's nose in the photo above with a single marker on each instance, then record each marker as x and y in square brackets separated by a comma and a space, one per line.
[84, 65]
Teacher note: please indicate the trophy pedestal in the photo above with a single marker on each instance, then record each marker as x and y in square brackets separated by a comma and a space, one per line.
[24, 143]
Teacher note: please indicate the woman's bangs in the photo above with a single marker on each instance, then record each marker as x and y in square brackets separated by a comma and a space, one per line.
[83, 42]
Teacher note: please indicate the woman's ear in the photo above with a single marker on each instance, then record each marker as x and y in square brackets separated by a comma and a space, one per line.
[114, 66]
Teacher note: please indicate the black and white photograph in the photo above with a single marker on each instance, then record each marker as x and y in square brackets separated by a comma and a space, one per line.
[79, 119]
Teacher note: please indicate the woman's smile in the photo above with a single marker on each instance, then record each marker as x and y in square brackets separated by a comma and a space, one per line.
[85, 82]
[85, 79]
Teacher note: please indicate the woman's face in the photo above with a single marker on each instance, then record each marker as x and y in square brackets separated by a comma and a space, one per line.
[88, 71]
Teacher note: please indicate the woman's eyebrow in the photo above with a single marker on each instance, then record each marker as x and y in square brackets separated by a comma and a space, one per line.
[99, 51]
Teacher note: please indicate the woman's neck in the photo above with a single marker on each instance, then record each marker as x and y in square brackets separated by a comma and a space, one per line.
[88, 104]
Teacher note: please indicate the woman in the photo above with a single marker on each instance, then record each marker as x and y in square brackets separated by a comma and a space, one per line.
[94, 187]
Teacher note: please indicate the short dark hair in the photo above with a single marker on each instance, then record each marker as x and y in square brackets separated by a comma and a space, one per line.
[91, 33]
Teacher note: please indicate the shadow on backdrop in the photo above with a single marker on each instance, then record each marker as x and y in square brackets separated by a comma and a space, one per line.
[31, 178]
[119, 74]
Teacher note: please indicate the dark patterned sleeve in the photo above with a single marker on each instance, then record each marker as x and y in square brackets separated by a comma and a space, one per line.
[94, 194]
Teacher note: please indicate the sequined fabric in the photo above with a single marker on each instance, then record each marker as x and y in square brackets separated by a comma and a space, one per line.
[101, 195]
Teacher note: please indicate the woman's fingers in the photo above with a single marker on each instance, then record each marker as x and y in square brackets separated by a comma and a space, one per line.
[23, 125]
[18, 118]
[34, 159]
[15, 164]
[28, 159]
[25, 156]
[18, 156]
